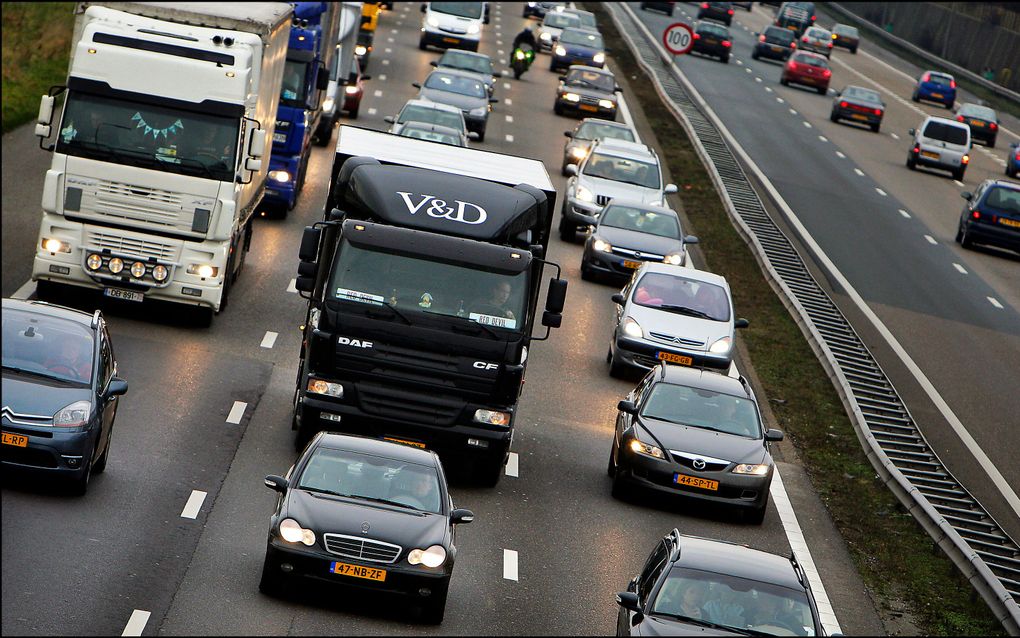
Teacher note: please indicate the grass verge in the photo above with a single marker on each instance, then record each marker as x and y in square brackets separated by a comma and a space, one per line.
[36, 46]
[891, 551]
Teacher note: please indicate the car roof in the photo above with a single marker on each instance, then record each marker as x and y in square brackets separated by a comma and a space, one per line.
[377, 447]
[457, 72]
[737, 560]
[624, 147]
[810, 54]
[940, 74]
[432, 105]
[50, 310]
[680, 271]
[1003, 182]
[633, 203]
[704, 379]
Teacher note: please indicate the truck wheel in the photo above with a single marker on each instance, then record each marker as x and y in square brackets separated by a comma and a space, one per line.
[911, 162]
[202, 316]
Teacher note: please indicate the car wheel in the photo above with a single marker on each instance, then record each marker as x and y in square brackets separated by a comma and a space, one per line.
[563, 170]
[434, 609]
[958, 174]
[911, 163]
[833, 117]
[1010, 172]
[914, 97]
[853, 50]
[784, 81]
[80, 485]
[586, 273]
[621, 491]
[422, 44]
[616, 369]
[481, 135]
[611, 468]
[755, 515]
[963, 237]
[823, 91]
[950, 105]
[991, 143]
[567, 229]
[725, 60]
[557, 109]
[101, 461]
[754, 54]
[271, 582]
[876, 127]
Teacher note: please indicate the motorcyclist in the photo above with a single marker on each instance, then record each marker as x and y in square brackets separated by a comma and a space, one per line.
[527, 36]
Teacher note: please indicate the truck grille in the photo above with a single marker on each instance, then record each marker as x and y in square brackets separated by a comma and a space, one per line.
[126, 246]
[138, 203]
[410, 406]
[365, 549]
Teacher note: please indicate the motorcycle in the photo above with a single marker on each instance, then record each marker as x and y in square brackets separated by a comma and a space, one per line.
[523, 56]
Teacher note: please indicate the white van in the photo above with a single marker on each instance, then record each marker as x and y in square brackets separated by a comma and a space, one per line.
[453, 24]
[941, 143]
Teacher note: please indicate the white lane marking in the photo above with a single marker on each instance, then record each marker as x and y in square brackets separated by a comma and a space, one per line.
[806, 124]
[895, 136]
[840, 155]
[823, 138]
[292, 287]
[389, 39]
[509, 119]
[513, 465]
[385, 62]
[236, 412]
[509, 138]
[757, 79]
[25, 291]
[388, 50]
[793, 111]
[905, 213]
[499, 43]
[995, 302]
[739, 62]
[372, 111]
[958, 183]
[506, 85]
[269, 339]
[377, 93]
[963, 271]
[747, 69]
[931, 240]
[501, 52]
[780, 100]
[194, 504]
[509, 564]
[627, 119]
[881, 192]
[768, 89]
[394, 30]
[859, 172]
[508, 101]
[382, 77]
[136, 623]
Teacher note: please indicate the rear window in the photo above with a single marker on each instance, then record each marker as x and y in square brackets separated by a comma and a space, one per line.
[1006, 200]
[845, 30]
[946, 132]
[859, 93]
[816, 32]
[713, 29]
[779, 34]
[813, 60]
[983, 112]
[944, 80]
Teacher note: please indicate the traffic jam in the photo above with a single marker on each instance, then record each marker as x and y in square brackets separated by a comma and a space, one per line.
[307, 251]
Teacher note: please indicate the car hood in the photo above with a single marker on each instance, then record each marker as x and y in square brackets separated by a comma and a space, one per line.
[29, 395]
[636, 240]
[463, 102]
[692, 440]
[588, 91]
[614, 189]
[325, 514]
[693, 329]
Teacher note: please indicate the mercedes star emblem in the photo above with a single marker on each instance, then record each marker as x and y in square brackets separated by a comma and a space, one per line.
[365, 526]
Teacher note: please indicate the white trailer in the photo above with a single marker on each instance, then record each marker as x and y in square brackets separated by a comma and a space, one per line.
[158, 162]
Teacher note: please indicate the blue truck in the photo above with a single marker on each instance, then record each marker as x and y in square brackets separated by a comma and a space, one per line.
[309, 52]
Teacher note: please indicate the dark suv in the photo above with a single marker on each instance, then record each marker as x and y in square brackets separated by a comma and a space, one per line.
[991, 216]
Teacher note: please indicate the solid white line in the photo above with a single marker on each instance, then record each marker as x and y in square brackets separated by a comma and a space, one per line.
[377, 93]
[236, 412]
[269, 339]
[382, 77]
[627, 119]
[506, 85]
[995, 302]
[136, 623]
[931, 240]
[513, 465]
[509, 564]
[194, 504]
[881, 192]
[509, 119]
[840, 155]
[823, 138]
[508, 101]
[509, 138]
[806, 124]
[25, 291]
[904, 213]
[963, 271]
[895, 136]
[291, 287]
[859, 172]
[372, 111]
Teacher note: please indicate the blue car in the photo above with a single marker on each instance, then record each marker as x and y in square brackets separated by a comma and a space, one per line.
[935, 87]
[1013, 160]
[578, 46]
[991, 216]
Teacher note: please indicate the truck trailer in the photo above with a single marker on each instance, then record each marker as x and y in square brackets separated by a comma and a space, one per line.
[340, 71]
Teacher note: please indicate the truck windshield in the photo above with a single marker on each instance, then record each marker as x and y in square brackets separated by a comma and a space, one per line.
[148, 136]
[292, 91]
[412, 284]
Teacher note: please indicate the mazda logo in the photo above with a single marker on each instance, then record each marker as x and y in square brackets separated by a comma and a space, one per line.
[699, 464]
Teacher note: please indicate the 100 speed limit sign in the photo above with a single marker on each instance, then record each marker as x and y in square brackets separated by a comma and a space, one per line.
[678, 38]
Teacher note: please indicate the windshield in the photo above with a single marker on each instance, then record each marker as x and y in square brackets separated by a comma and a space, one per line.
[582, 38]
[946, 133]
[622, 170]
[461, 9]
[292, 91]
[413, 285]
[456, 84]
[712, 29]
[373, 478]
[697, 407]
[47, 346]
[147, 136]
[418, 113]
[644, 221]
[661, 290]
[430, 135]
[735, 602]
[466, 62]
[594, 130]
[561, 20]
[594, 79]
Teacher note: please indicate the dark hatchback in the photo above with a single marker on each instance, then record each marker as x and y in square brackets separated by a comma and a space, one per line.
[713, 40]
[629, 233]
[775, 43]
[696, 433]
[991, 216]
[364, 513]
[60, 391]
[858, 104]
[578, 46]
[586, 90]
[720, 11]
[846, 36]
[591, 128]
[983, 122]
[699, 586]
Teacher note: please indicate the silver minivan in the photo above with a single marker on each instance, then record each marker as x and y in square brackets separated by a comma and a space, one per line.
[941, 143]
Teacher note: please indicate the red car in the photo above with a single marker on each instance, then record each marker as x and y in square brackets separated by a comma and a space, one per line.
[806, 68]
[354, 89]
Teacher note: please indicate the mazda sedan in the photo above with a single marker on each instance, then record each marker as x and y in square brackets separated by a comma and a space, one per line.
[367, 514]
[694, 433]
[713, 40]
[983, 122]
[859, 105]
[60, 391]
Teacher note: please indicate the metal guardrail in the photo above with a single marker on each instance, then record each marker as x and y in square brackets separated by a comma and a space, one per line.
[976, 544]
[878, 31]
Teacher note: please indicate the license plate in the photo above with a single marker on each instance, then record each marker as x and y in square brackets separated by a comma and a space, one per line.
[406, 442]
[631, 264]
[357, 571]
[938, 95]
[588, 107]
[126, 295]
[693, 481]
[280, 137]
[977, 123]
[930, 154]
[451, 40]
[17, 440]
[1002, 220]
[858, 116]
[674, 358]
[777, 49]
[711, 41]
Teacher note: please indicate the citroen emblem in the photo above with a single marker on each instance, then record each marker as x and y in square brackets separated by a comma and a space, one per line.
[699, 464]
[637, 254]
[676, 339]
[365, 526]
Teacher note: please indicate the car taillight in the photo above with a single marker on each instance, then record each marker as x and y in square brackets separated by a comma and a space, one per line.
[804, 39]
[704, 5]
[813, 18]
[761, 38]
[843, 105]
[926, 77]
[793, 45]
[830, 45]
[726, 43]
[792, 66]
[965, 159]
[878, 112]
[826, 73]
[952, 84]
[730, 12]
[917, 149]
[993, 126]
[976, 214]
[959, 118]
[697, 36]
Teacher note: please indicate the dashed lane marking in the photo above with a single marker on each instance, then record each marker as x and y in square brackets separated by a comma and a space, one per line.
[382, 77]
[292, 286]
[840, 155]
[269, 339]
[508, 101]
[881, 192]
[768, 89]
[510, 564]
[388, 50]
[905, 214]
[237, 412]
[963, 271]
[757, 79]
[386, 62]
[859, 172]
[895, 136]
[372, 111]
[780, 100]
[509, 119]
[509, 137]
[995, 302]
[513, 465]
[377, 93]
[506, 85]
[793, 111]
[136, 623]
[931, 240]
[806, 124]
[194, 504]
[958, 183]
[823, 138]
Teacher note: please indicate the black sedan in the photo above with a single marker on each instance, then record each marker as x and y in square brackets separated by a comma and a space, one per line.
[628, 233]
[586, 90]
[846, 36]
[697, 433]
[578, 46]
[721, 11]
[983, 122]
[60, 391]
[775, 43]
[712, 39]
[858, 104]
[368, 514]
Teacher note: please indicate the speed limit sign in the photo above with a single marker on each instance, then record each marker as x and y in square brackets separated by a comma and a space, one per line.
[678, 38]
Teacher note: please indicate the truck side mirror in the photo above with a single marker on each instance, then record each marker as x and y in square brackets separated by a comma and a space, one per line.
[304, 284]
[309, 250]
[322, 78]
[257, 143]
[571, 170]
[557, 296]
[42, 129]
[551, 319]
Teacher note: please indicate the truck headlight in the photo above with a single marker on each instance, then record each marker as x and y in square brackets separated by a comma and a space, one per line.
[94, 261]
[643, 448]
[560, 50]
[138, 270]
[55, 245]
[632, 328]
[292, 532]
[607, 104]
[318, 386]
[545, 37]
[116, 265]
[492, 417]
[602, 245]
[722, 346]
[571, 97]
[279, 176]
[599, 58]
[473, 28]
[748, 468]
[432, 557]
[328, 104]
[203, 270]
[674, 259]
[160, 272]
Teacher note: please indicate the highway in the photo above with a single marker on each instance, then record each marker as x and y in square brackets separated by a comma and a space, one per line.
[208, 412]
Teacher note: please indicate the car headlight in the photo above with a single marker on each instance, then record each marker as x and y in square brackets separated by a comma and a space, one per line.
[318, 386]
[432, 557]
[432, 21]
[55, 245]
[584, 194]
[607, 104]
[601, 245]
[578, 152]
[73, 416]
[492, 417]
[571, 97]
[203, 270]
[328, 104]
[749, 468]
[360, 49]
[561, 50]
[674, 259]
[160, 272]
[599, 58]
[474, 28]
[546, 37]
[480, 111]
[643, 448]
[632, 328]
[292, 532]
[722, 346]
[279, 176]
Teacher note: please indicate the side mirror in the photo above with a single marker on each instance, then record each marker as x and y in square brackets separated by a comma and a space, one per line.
[493, 100]
[309, 250]
[459, 516]
[434, 63]
[423, 7]
[911, 132]
[276, 483]
[473, 135]
[116, 388]
[569, 134]
[690, 239]
[571, 170]
[42, 129]
[773, 434]
[618, 299]
[629, 601]
[416, 85]
[741, 323]
[257, 144]
[557, 296]
[627, 406]
[669, 190]
[322, 79]
[390, 119]
[967, 195]
[552, 319]
[618, 89]
[305, 284]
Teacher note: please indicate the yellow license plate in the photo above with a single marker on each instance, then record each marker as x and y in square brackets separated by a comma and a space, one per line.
[357, 571]
[674, 358]
[938, 95]
[930, 154]
[588, 107]
[858, 116]
[693, 481]
[405, 442]
[977, 123]
[16, 440]
[631, 264]
[451, 40]
[777, 49]
[711, 41]
[1002, 220]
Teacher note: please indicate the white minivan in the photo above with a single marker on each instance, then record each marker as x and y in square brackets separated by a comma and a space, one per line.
[941, 143]
[452, 24]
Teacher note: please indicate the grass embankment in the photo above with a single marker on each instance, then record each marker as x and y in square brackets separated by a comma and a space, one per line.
[893, 554]
[36, 46]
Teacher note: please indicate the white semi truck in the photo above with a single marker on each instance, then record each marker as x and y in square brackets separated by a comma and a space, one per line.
[161, 156]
